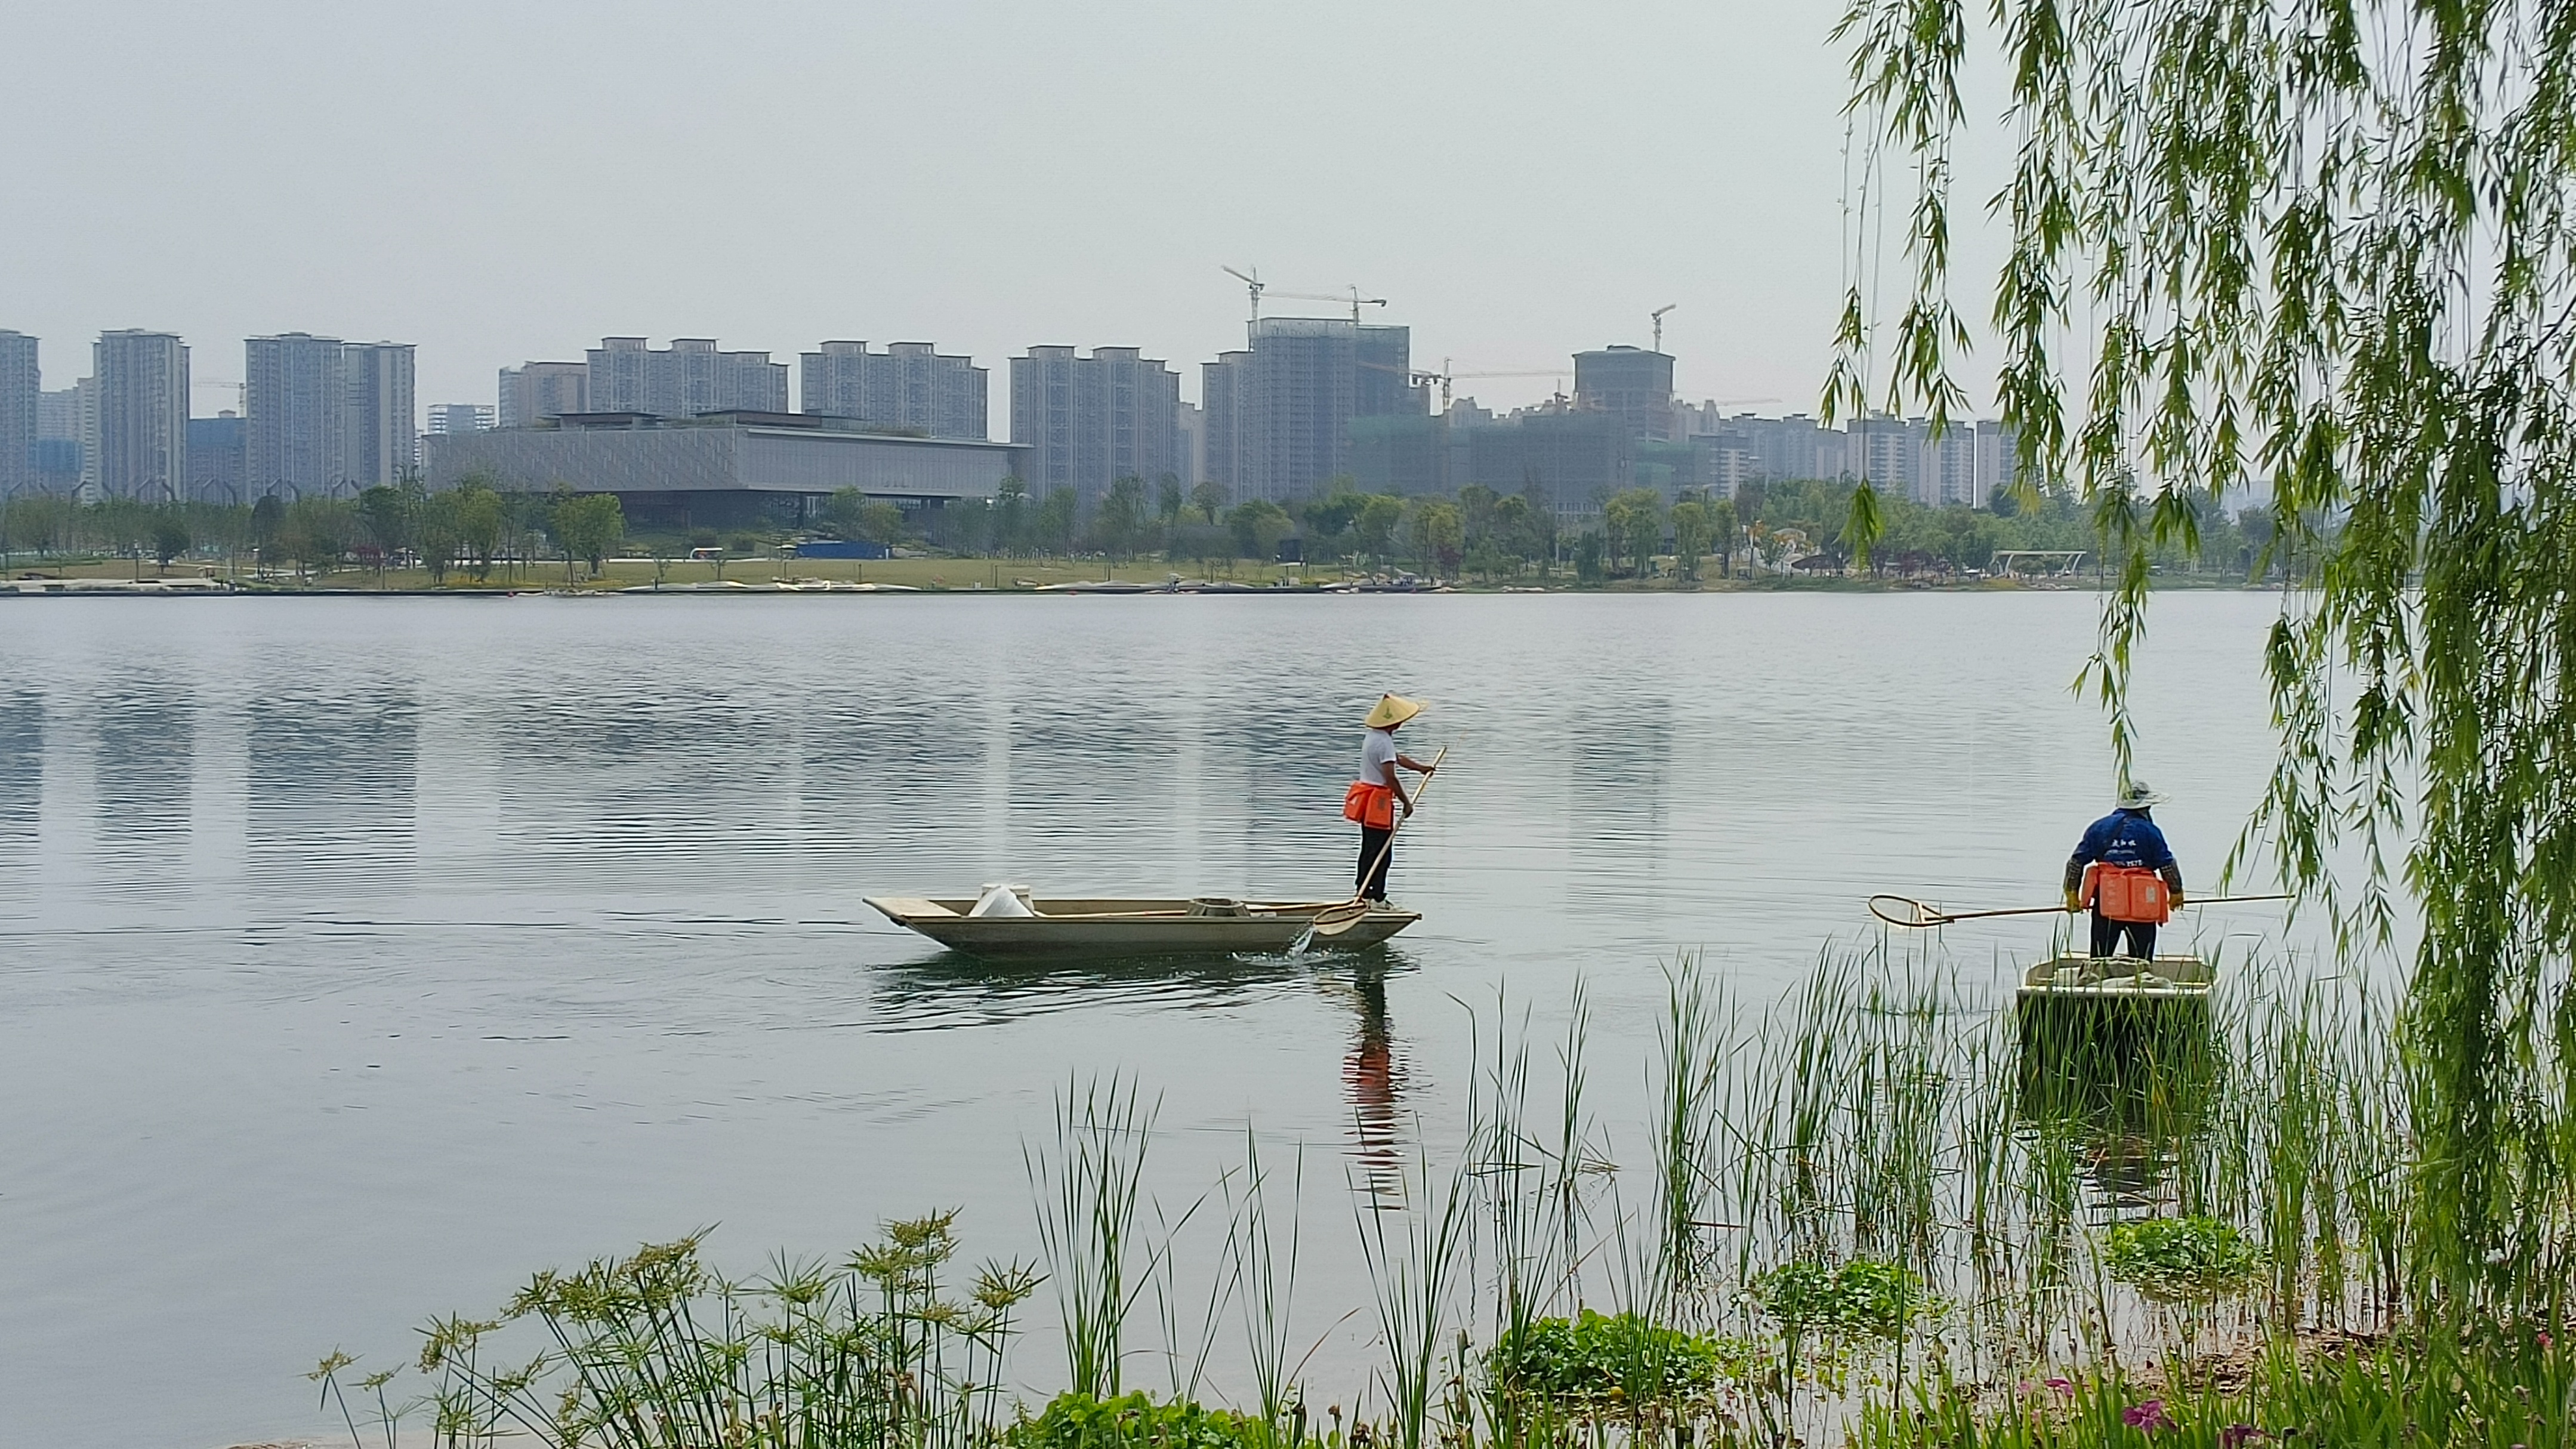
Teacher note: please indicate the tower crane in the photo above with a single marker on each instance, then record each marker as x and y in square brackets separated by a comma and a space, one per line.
[1252, 281]
[1657, 318]
[241, 391]
[1445, 376]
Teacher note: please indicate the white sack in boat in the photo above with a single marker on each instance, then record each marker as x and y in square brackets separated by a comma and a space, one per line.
[1003, 900]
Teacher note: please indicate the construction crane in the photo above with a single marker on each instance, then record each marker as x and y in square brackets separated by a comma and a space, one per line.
[1417, 377]
[1447, 375]
[241, 391]
[1657, 318]
[1252, 280]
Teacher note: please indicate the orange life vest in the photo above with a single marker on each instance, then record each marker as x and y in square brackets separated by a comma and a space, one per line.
[1370, 805]
[2131, 894]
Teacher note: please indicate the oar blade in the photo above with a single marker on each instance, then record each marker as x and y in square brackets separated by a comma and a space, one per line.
[1334, 920]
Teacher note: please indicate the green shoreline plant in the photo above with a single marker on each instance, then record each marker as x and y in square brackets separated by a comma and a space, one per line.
[2318, 254]
[1885, 1186]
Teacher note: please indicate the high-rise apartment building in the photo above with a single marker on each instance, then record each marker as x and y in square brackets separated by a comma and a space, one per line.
[295, 414]
[380, 428]
[1630, 383]
[1191, 420]
[1745, 448]
[1287, 401]
[534, 391]
[1225, 410]
[324, 416]
[135, 439]
[691, 377]
[58, 438]
[446, 418]
[216, 471]
[1090, 421]
[21, 384]
[910, 384]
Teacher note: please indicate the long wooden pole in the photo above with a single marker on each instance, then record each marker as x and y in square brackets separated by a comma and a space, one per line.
[1927, 916]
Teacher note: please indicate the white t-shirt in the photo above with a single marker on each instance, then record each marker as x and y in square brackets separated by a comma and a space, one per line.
[1376, 756]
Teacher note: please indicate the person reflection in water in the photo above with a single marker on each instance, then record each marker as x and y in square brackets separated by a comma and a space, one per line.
[1375, 1080]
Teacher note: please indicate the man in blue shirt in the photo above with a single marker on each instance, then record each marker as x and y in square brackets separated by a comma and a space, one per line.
[2127, 837]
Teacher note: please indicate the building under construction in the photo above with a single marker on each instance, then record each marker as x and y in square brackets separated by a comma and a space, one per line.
[1280, 413]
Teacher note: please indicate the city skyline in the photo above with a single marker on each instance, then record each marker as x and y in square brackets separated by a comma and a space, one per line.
[1045, 210]
[1307, 403]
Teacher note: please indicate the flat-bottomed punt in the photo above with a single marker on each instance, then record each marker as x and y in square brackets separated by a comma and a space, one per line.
[2074, 1002]
[1115, 927]
[2074, 977]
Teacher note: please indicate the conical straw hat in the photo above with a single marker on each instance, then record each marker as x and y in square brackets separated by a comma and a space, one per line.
[1392, 709]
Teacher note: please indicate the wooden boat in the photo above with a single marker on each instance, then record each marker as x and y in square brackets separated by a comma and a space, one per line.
[1116, 927]
[2072, 1004]
[2075, 977]
[2113, 1041]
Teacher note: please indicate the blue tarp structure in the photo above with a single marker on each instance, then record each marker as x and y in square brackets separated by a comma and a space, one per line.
[841, 548]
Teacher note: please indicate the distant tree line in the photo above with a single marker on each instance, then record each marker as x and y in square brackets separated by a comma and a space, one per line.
[477, 531]
[1480, 534]
[472, 531]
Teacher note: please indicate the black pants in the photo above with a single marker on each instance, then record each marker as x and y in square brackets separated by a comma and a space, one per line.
[2107, 933]
[1372, 882]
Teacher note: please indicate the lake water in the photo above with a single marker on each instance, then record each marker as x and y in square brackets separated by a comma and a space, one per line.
[358, 957]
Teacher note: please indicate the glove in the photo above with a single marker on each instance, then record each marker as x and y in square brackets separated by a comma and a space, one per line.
[2174, 898]
[2074, 900]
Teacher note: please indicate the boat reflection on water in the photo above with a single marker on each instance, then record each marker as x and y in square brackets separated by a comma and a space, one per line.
[2127, 1090]
[952, 990]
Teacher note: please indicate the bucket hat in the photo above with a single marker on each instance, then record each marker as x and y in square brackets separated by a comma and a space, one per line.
[2136, 796]
[1392, 710]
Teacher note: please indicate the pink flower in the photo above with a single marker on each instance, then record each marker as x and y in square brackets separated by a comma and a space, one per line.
[2061, 1385]
[2149, 1416]
[2235, 1435]
[2544, 1340]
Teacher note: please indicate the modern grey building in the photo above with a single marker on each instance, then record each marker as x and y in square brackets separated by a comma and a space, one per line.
[462, 418]
[1287, 401]
[1573, 456]
[1089, 421]
[1744, 448]
[380, 428]
[691, 376]
[910, 385]
[534, 391]
[135, 443]
[295, 409]
[21, 385]
[725, 468]
[59, 431]
[216, 471]
[1630, 383]
[1225, 408]
[1191, 419]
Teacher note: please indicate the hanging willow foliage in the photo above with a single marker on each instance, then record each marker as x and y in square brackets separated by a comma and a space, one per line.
[2322, 252]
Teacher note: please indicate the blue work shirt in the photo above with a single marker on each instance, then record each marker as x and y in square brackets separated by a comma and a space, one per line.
[2125, 837]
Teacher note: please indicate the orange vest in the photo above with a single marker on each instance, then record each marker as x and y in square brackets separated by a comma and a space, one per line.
[1370, 805]
[2131, 894]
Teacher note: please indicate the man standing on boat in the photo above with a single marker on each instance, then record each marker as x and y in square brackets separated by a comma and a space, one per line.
[1378, 793]
[2123, 869]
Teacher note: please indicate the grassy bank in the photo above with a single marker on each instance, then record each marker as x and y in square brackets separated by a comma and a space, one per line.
[1887, 1210]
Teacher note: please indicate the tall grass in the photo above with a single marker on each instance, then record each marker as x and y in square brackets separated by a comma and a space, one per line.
[1087, 1195]
[1882, 1189]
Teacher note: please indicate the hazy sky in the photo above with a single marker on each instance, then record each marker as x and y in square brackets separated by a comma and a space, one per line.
[503, 182]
